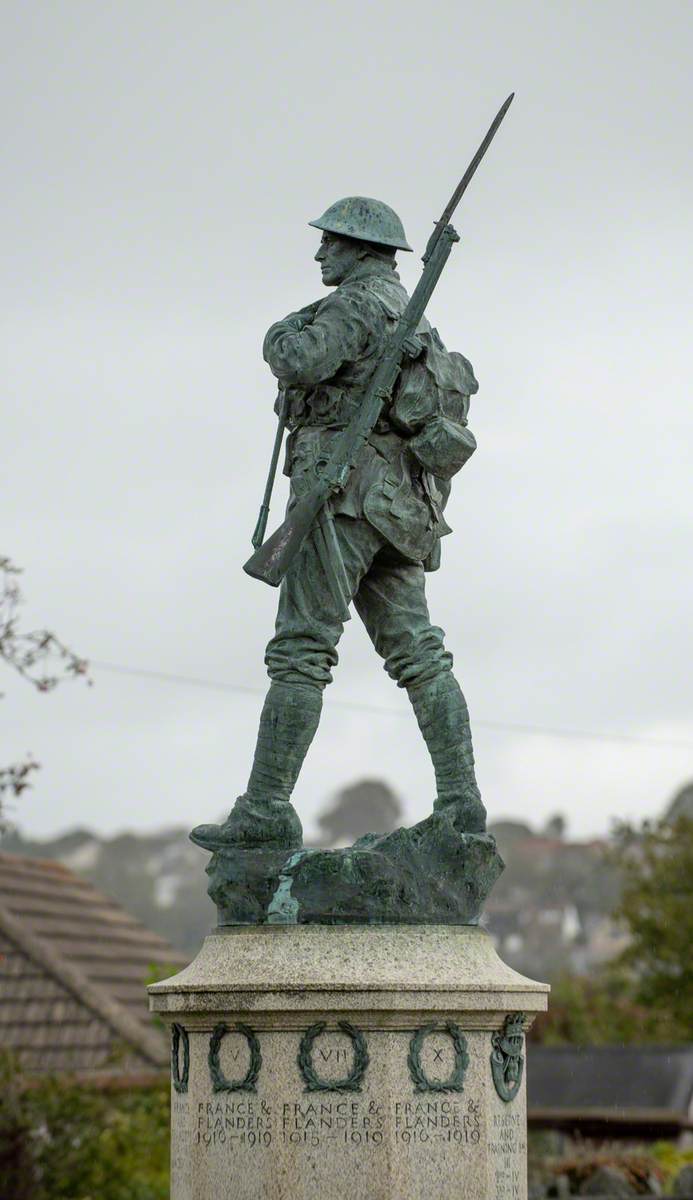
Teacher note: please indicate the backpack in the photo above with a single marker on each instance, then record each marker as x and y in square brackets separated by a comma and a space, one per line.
[431, 402]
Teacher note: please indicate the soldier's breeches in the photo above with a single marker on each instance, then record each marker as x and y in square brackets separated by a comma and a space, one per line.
[443, 718]
[389, 596]
[391, 602]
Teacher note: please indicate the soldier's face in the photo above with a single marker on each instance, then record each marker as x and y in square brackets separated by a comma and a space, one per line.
[336, 255]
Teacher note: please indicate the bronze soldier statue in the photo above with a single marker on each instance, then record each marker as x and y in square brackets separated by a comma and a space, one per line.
[376, 537]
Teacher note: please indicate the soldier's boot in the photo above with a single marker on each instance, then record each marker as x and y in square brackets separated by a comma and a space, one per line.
[264, 816]
[443, 718]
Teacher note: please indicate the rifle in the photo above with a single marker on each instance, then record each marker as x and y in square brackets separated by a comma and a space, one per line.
[324, 533]
[261, 526]
[271, 561]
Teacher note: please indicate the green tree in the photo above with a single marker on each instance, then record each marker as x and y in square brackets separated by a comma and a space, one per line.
[600, 1010]
[60, 1141]
[646, 995]
[656, 905]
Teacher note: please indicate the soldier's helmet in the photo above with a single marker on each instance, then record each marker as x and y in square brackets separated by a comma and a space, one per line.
[365, 219]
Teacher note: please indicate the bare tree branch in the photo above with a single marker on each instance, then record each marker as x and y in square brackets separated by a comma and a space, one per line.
[15, 778]
[38, 655]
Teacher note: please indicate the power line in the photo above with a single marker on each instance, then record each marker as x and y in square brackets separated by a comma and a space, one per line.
[357, 706]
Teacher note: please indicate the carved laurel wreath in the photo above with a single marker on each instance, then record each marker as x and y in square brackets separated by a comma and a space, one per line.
[418, 1076]
[180, 1079]
[219, 1081]
[352, 1082]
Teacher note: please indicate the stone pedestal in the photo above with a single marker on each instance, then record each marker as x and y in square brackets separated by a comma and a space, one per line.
[348, 1063]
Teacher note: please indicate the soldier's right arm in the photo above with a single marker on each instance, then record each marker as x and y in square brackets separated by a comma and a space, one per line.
[298, 320]
[304, 357]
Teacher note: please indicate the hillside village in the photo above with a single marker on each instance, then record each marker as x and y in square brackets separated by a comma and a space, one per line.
[549, 912]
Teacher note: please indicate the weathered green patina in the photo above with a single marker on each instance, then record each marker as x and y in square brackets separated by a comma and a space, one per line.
[421, 1081]
[180, 1076]
[366, 219]
[376, 409]
[351, 1082]
[435, 872]
[507, 1059]
[248, 1083]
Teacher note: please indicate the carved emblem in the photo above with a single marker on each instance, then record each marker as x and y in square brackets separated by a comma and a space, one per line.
[507, 1059]
[352, 1082]
[180, 1078]
[219, 1081]
[418, 1076]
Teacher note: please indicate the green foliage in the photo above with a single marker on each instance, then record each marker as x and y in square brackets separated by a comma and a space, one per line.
[601, 1010]
[15, 1137]
[551, 1155]
[671, 1159]
[638, 1167]
[647, 994]
[60, 1141]
[657, 907]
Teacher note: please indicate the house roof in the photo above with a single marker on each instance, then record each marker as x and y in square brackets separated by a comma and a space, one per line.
[72, 974]
[624, 1086]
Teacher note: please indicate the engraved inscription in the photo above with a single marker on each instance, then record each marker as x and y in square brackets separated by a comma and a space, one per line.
[508, 1146]
[436, 1121]
[468, 1139]
[181, 1161]
[234, 1122]
[329, 1123]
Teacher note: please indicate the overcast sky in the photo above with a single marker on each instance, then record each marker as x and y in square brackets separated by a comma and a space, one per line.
[160, 162]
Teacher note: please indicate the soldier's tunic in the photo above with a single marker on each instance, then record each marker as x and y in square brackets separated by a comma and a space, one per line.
[388, 519]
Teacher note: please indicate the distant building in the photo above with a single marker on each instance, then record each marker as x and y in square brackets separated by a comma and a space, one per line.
[639, 1092]
[550, 910]
[73, 970]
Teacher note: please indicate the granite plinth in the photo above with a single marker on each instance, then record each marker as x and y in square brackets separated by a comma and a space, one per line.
[346, 1061]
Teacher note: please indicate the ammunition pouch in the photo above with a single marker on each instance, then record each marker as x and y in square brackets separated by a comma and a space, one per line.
[443, 446]
[430, 406]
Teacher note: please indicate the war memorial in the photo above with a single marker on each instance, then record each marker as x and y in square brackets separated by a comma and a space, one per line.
[348, 1030]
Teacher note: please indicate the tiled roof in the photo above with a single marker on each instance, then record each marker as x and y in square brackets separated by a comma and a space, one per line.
[72, 974]
[619, 1084]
